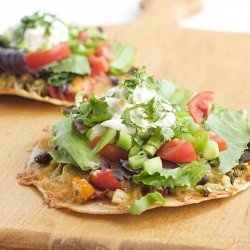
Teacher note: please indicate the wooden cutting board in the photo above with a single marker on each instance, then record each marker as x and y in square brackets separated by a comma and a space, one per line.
[195, 59]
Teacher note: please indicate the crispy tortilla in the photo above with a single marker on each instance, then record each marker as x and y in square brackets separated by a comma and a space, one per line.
[32, 176]
[99, 89]
[34, 96]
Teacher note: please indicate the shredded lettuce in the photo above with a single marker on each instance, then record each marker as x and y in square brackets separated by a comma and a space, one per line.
[233, 127]
[74, 146]
[185, 176]
[123, 58]
[146, 202]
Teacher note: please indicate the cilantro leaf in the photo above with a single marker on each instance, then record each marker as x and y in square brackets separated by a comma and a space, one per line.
[233, 127]
[36, 19]
[140, 78]
[91, 112]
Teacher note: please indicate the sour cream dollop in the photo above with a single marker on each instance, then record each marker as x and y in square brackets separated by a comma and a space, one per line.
[36, 38]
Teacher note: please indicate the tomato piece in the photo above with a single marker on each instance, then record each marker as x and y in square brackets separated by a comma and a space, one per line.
[57, 93]
[99, 65]
[113, 153]
[39, 59]
[69, 96]
[82, 36]
[104, 179]
[220, 141]
[104, 51]
[93, 142]
[53, 92]
[178, 151]
[110, 151]
[200, 105]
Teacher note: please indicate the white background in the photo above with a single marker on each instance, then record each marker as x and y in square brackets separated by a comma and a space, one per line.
[218, 15]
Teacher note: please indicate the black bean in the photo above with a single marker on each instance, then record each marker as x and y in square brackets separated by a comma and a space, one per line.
[133, 70]
[114, 80]
[43, 158]
[145, 190]
[203, 180]
[205, 192]
[100, 28]
[245, 156]
[169, 165]
[163, 191]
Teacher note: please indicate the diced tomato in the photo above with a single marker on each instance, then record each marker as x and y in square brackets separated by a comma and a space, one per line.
[70, 96]
[53, 92]
[104, 51]
[200, 105]
[104, 179]
[110, 151]
[99, 65]
[113, 153]
[82, 36]
[220, 141]
[40, 59]
[178, 151]
[93, 142]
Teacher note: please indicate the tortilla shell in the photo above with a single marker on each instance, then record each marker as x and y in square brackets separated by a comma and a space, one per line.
[99, 90]
[28, 177]
[34, 96]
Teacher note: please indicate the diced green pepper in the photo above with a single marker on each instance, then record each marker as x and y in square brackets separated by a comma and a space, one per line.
[137, 161]
[211, 150]
[108, 136]
[153, 165]
[124, 141]
[134, 150]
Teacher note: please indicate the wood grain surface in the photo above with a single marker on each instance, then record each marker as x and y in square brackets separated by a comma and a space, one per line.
[195, 59]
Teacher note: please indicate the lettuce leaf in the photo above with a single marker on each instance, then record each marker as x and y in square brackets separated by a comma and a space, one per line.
[175, 95]
[233, 127]
[185, 176]
[59, 79]
[123, 58]
[146, 202]
[74, 146]
[76, 64]
[62, 156]
[167, 88]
